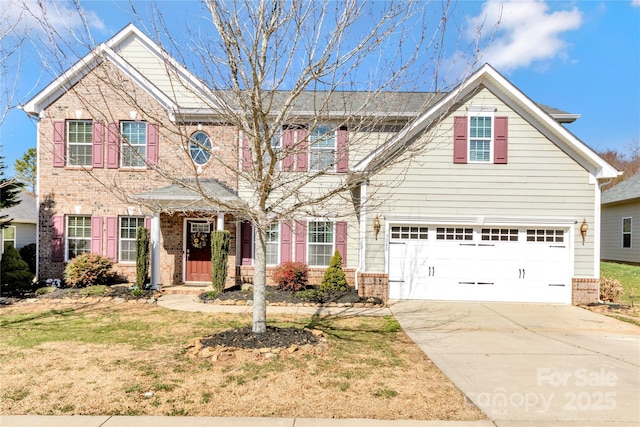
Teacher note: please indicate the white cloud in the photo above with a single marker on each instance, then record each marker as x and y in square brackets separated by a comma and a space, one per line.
[635, 3]
[519, 33]
[30, 15]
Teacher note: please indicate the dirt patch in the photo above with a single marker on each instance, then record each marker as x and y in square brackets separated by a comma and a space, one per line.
[627, 313]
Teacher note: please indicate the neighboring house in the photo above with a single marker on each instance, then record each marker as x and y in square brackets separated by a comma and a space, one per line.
[22, 229]
[621, 222]
[491, 210]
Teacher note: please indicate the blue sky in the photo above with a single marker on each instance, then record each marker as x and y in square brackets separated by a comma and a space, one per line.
[580, 56]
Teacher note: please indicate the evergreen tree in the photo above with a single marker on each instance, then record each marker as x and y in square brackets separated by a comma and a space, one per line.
[334, 278]
[15, 277]
[26, 170]
[219, 254]
[9, 189]
[142, 257]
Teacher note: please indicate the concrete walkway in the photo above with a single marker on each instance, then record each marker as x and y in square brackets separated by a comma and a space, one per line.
[532, 364]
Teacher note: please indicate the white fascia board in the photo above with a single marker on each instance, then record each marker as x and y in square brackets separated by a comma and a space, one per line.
[603, 169]
[132, 31]
[425, 120]
[62, 83]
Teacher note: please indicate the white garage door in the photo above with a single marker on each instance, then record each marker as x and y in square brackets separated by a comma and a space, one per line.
[479, 263]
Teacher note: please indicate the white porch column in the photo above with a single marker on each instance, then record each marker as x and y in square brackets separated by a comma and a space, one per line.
[220, 222]
[155, 251]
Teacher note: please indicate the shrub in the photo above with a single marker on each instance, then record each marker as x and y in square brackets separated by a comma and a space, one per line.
[610, 290]
[28, 254]
[334, 279]
[291, 276]
[14, 273]
[88, 270]
[142, 257]
[219, 255]
[92, 291]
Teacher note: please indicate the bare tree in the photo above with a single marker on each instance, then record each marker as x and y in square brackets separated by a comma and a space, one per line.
[284, 76]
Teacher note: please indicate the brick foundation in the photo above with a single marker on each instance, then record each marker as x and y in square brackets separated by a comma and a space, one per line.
[374, 285]
[244, 274]
[585, 290]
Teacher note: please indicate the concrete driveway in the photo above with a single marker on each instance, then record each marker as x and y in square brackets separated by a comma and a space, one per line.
[531, 364]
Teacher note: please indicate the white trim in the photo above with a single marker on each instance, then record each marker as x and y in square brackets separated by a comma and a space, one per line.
[483, 220]
[481, 113]
[120, 217]
[333, 221]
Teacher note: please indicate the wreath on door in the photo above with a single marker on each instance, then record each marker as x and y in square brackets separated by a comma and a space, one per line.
[199, 240]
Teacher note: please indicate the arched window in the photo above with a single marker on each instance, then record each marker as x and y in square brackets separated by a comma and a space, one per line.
[200, 148]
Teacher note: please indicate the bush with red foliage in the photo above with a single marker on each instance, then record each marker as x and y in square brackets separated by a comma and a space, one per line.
[291, 276]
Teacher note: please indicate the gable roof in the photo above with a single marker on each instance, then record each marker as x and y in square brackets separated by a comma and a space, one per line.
[627, 190]
[25, 212]
[113, 51]
[538, 116]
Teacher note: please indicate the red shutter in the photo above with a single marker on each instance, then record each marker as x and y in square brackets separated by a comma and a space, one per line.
[302, 158]
[246, 239]
[500, 140]
[147, 223]
[113, 146]
[153, 138]
[96, 235]
[98, 145]
[112, 238]
[287, 145]
[460, 139]
[343, 153]
[285, 242]
[301, 241]
[58, 144]
[246, 154]
[57, 238]
[341, 240]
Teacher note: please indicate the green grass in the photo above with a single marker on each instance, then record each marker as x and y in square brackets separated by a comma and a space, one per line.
[627, 275]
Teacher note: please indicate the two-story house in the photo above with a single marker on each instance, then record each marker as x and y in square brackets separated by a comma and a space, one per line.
[483, 195]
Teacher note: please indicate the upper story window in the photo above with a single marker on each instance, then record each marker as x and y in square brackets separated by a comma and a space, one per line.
[626, 233]
[78, 235]
[480, 138]
[79, 142]
[322, 148]
[200, 148]
[134, 144]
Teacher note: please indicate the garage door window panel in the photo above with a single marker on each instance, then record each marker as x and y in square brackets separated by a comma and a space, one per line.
[545, 236]
[499, 235]
[453, 233]
[410, 232]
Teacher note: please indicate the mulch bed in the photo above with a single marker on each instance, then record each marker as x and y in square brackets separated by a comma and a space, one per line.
[273, 338]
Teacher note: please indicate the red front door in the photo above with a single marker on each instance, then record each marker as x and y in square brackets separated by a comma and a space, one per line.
[198, 251]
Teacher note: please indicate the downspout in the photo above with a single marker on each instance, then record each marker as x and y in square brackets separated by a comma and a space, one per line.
[155, 251]
[363, 230]
[597, 219]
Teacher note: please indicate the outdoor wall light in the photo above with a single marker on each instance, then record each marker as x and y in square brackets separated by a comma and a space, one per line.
[376, 226]
[583, 229]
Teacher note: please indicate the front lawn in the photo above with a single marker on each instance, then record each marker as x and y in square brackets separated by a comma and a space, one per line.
[627, 275]
[131, 358]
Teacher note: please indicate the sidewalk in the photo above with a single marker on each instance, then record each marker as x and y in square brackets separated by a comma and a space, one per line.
[123, 421]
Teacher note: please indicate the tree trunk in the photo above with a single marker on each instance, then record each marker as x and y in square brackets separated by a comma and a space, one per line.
[260, 282]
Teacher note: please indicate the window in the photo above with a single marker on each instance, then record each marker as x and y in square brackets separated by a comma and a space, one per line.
[134, 144]
[626, 233]
[480, 136]
[321, 239]
[128, 233]
[79, 142]
[9, 236]
[548, 236]
[78, 235]
[200, 148]
[273, 244]
[500, 234]
[410, 232]
[450, 233]
[322, 142]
